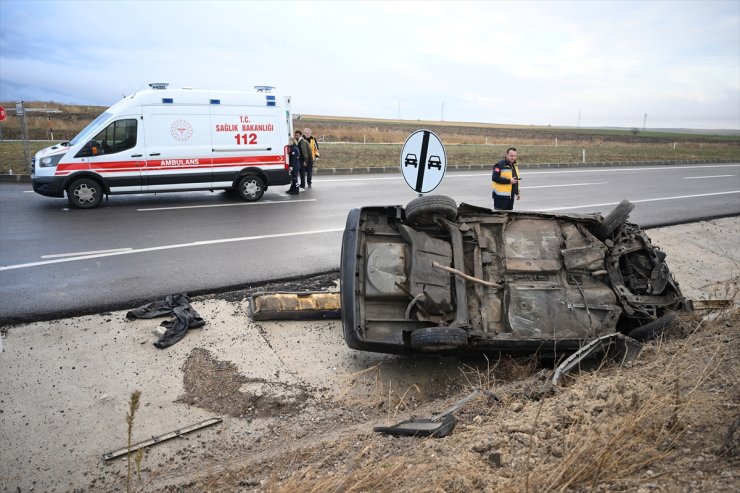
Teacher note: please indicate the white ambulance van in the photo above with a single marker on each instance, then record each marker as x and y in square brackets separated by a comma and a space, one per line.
[170, 140]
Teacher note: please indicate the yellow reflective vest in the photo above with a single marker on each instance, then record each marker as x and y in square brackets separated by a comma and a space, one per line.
[504, 172]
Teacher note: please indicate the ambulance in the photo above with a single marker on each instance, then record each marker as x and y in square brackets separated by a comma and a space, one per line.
[172, 140]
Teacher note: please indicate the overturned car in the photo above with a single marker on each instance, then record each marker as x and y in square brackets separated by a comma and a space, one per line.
[437, 277]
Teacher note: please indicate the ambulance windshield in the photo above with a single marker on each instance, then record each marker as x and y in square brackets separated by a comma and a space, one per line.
[90, 130]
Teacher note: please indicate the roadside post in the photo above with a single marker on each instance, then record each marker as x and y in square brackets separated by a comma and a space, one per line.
[423, 161]
[20, 112]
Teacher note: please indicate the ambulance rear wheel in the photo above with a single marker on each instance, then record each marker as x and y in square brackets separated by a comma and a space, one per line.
[251, 188]
[85, 193]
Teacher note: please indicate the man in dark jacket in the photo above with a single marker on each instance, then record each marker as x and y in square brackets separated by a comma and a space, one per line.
[306, 158]
[505, 181]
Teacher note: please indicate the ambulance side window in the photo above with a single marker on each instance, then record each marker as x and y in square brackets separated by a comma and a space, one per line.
[118, 136]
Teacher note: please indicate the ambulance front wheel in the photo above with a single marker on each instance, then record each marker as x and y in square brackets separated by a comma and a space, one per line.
[251, 188]
[85, 193]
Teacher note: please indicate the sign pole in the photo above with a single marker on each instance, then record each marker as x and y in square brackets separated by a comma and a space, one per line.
[20, 112]
[422, 160]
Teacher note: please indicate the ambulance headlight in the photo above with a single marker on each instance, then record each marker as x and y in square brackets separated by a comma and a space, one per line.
[50, 161]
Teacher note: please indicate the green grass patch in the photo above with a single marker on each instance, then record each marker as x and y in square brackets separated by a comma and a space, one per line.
[11, 156]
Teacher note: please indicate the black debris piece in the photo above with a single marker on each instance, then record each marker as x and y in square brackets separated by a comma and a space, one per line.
[421, 427]
[176, 305]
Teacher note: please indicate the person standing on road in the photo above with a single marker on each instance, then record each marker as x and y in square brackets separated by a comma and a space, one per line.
[305, 158]
[295, 166]
[505, 181]
[313, 145]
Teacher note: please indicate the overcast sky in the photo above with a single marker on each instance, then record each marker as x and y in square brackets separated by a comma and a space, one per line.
[597, 63]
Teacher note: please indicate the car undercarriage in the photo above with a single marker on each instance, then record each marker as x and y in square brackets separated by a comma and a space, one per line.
[437, 277]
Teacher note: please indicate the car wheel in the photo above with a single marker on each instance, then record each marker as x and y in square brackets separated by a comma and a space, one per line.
[424, 210]
[85, 193]
[251, 188]
[439, 338]
[614, 219]
[654, 329]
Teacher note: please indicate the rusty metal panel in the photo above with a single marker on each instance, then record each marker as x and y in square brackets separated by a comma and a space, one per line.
[533, 238]
[532, 265]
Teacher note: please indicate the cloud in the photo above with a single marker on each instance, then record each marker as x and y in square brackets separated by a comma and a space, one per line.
[495, 61]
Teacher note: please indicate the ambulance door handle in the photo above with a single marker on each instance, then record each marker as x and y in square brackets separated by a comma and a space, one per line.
[136, 155]
[154, 154]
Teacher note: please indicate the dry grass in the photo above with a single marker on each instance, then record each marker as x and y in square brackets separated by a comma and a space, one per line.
[358, 142]
[367, 389]
[664, 420]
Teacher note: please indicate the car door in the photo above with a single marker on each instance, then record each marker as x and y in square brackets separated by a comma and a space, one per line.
[116, 153]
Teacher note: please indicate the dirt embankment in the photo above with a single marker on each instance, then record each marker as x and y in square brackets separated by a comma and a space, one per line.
[298, 406]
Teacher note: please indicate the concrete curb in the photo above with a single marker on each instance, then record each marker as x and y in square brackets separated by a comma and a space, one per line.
[15, 178]
[471, 167]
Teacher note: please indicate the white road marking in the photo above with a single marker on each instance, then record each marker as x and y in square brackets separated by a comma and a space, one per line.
[701, 177]
[76, 254]
[528, 172]
[568, 185]
[262, 202]
[636, 168]
[167, 247]
[641, 200]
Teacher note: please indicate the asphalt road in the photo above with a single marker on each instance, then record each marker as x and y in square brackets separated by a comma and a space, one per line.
[56, 261]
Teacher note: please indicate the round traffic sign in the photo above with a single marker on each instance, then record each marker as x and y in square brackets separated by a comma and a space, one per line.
[2, 113]
[423, 161]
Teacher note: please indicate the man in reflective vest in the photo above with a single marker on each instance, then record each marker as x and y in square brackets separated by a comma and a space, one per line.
[505, 181]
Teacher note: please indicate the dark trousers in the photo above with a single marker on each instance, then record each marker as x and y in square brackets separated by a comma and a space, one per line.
[503, 203]
[302, 170]
[294, 176]
[306, 173]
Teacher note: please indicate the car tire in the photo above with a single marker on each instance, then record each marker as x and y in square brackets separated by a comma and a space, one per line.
[614, 219]
[439, 338]
[250, 188]
[654, 329]
[424, 210]
[85, 193]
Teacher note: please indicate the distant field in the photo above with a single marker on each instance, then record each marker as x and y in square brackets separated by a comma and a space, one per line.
[361, 142]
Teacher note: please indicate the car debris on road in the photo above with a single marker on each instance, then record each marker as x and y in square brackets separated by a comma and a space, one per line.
[175, 305]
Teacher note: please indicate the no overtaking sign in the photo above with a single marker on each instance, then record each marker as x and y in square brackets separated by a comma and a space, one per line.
[423, 161]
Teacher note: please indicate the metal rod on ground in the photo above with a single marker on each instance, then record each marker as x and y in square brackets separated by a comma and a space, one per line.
[161, 438]
[465, 400]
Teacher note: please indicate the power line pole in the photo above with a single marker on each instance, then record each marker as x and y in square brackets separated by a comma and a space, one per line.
[644, 122]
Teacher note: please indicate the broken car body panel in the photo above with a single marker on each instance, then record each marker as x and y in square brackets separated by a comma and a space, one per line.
[495, 280]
